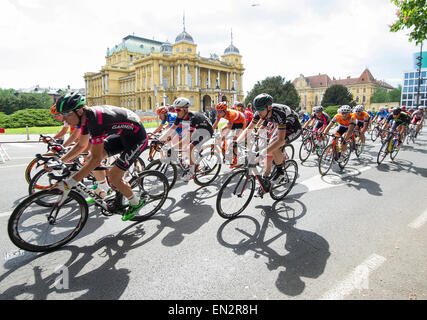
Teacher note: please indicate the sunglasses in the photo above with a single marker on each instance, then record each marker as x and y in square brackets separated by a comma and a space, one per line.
[261, 109]
[179, 109]
[67, 114]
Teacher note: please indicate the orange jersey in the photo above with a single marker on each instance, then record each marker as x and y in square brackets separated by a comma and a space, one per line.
[363, 117]
[345, 123]
[233, 117]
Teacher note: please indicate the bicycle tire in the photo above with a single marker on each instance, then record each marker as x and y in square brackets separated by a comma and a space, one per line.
[245, 174]
[290, 151]
[306, 145]
[168, 169]
[161, 183]
[374, 134]
[29, 168]
[394, 152]
[342, 164]
[382, 153]
[289, 163]
[203, 169]
[13, 224]
[328, 153]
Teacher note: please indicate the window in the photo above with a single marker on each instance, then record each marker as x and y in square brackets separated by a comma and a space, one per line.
[404, 96]
[406, 83]
[411, 89]
[364, 99]
[411, 82]
[189, 49]
[364, 90]
[409, 103]
[405, 89]
[406, 75]
[357, 99]
[423, 89]
[131, 58]
[165, 68]
[424, 74]
[177, 49]
[412, 75]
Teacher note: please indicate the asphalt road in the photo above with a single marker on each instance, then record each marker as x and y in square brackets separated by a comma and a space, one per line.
[357, 234]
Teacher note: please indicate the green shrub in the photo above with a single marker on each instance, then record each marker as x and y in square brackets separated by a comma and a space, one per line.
[332, 111]
[30, 118]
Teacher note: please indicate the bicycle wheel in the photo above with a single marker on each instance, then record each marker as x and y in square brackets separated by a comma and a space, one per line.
[235, 194]
[207, 167]
[137, 167]
[289, 151]
[358, 148]
[321, 145]
[395, 150]
[37, 229]
[152, 187]
[168, 169]
[345, 156]
[150, 153]
[280, 189]
[374, 134]
[383, 152]
[326, 159]
[305, 149]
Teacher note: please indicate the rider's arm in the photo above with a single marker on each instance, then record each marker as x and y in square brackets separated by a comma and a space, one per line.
[93, 162]
[215, 125]
[61, 132]
[246, 132]
[74, 136]
[167, 133]
[77, 149]
[158, 129]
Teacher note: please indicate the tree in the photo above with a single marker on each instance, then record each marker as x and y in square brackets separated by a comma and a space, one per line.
[411, 14]
[382, 95]
[11, 101]
[281, 91]
[337, 95]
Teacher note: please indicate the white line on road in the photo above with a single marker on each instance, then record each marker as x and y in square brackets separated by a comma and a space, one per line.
[419, 222]
[358, 279]
[14, 166]
[5, 214]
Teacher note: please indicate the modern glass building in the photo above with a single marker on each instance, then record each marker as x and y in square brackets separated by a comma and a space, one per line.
[410, 83]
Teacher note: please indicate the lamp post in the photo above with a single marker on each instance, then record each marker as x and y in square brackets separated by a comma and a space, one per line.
[419, 64]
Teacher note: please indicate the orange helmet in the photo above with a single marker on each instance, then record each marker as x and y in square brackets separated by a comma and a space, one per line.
[53, 110]
[161, 110]
[222, 106]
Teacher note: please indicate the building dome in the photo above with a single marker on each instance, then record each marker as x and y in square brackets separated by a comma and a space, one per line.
[184, 36]
[231, 49]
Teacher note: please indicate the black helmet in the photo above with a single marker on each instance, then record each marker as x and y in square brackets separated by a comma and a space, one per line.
[396, 111]
[263, 100]
[70, 102]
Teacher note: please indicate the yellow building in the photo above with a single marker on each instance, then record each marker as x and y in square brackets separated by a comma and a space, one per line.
[311, 89]
[141, 74]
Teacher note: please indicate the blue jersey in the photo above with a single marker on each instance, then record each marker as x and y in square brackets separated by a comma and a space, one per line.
[171, 120]
[383, 115]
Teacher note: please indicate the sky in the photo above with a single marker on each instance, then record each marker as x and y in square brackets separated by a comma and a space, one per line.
[52, 43]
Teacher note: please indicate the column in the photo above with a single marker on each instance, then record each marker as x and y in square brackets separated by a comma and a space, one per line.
[178, 80]
[172, 83]
[228, 80]
[186, 75]
[161, 74]
[219, 80]
[209, 78]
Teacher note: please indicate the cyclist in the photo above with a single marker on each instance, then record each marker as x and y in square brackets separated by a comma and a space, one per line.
[196, 130]
[74, 134]
[400, 122]
[404, 109]
[166, 116]
[346, 126]
[303, 117]
[320, 119]
[289, 129]
[381, 115]
[418, 119]
[361, 118]
[247, 112]
[236, 124]
[112, 130]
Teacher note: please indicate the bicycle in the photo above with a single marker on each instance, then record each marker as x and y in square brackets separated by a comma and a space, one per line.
[390, 146]
[312, 143]
[207, 166]
[48, 219]
[332, 153]
[375, 132]
[356, 143]
[53, 147]
[241, 185]
[412, 134]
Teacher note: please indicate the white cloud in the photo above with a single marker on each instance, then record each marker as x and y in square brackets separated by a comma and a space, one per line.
[54, 42]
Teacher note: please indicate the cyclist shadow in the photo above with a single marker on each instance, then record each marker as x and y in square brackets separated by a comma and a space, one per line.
[400, 165]
[307, 252]
[196, 214]
[83, 280]
[354, 181]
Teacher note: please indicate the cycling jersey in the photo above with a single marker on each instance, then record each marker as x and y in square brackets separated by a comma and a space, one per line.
[343, 123]
[324, 119]
[403, 118]
[418, 114]
[285, 118]
[383, 115]
[195, 121]
[249, 115]
[364, 116]
[235, 118]
[171, 120]
[119, 129]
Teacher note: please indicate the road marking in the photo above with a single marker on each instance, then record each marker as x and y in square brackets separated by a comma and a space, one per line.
[329, 181]
[358, 279]
[419, 222]
[14, 166]
[5, 214]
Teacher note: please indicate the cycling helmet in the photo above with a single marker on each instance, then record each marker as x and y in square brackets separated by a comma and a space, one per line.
[70, 102]
[396, 110]
[240, 105]
[318, 109]
[420, 108]
[161, 110]
[181, 103]
[403, 107]
[222, 106]
[53, 110]
[359, 108]
[262, 101]
[345, 109]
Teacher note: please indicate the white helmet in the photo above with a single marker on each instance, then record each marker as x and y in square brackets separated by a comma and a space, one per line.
[181, 102]
[318, 109]
[359, 108]
[345, 109]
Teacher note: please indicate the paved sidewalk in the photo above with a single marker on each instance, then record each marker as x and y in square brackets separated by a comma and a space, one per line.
[19, 138]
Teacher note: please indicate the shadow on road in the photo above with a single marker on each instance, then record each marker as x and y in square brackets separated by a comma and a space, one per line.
[307, 252]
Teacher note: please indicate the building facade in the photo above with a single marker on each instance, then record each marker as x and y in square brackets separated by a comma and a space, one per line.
[311, 89]
[411, 78]
[141, 74]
